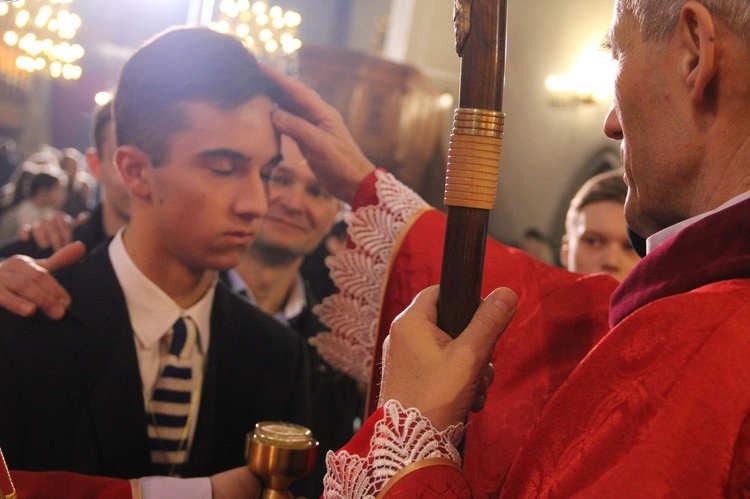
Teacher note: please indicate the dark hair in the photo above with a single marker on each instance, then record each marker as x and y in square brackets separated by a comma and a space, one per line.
[178, 66]
[102, 120]
[41, 182]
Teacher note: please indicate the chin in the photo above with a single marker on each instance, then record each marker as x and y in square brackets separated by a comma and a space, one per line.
[225, 261]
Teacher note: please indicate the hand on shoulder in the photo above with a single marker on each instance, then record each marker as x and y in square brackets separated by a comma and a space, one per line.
[27, 286]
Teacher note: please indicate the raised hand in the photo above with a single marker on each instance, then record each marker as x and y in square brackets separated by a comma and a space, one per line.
[53, 231]
[322, 136]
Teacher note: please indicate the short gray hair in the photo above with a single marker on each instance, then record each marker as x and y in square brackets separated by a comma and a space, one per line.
[658, 18]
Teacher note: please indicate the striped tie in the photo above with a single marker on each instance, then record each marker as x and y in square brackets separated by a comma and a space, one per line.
[171, 404]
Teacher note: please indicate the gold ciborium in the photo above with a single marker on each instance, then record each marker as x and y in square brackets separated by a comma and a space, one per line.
[279, 453]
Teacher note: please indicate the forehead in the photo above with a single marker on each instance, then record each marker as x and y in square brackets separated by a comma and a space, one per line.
[246, 128]
[601, 215]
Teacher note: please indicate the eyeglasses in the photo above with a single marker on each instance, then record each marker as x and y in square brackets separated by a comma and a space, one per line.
[286, 180]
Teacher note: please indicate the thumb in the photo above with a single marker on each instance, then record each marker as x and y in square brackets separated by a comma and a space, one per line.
[64, 257]
[489, 321]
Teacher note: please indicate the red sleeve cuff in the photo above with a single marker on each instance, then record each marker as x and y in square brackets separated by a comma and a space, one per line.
[366, 194]
[360, 442]
[64, 485]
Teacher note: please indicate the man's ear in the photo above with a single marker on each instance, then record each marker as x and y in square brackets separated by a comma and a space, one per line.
[564, 249]
[698, 35]
[135, 167]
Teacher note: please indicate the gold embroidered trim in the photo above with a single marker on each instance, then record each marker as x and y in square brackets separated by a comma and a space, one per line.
[418, 465]
[135, 489]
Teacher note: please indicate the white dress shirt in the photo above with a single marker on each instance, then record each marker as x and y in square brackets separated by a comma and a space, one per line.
[293, 306]
[152, 313]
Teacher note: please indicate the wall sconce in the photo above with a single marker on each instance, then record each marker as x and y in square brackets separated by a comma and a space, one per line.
[590, 81]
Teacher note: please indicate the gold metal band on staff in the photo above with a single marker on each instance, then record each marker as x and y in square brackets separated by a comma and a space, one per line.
[474, 158]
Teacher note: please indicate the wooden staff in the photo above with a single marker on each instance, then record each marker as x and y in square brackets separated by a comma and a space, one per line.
[473, 157]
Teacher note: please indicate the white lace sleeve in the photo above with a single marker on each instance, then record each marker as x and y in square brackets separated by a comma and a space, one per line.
[401, 437]
[359, 273]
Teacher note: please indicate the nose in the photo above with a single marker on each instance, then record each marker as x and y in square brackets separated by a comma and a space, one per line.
[290, 195]
[251, 201]
[612, 127]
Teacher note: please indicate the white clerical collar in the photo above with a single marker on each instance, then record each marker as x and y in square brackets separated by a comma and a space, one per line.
[663, 235]
[293, 306]
[152, 312]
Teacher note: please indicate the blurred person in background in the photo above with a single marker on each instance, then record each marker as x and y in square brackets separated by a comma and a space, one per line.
[596, 238]
[537, 245]
[46, 194]
[9, 160]
[81, 184]
[17, 187]
[112, 212]
[300, 215]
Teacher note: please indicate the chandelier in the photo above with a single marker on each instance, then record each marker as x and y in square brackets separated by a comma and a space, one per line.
[269, 32]
[37, 36]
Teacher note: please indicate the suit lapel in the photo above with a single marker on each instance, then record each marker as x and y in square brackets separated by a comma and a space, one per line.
[202, 448]
[109, 361]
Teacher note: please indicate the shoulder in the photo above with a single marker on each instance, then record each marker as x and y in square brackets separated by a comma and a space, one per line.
[712, 304]
[93, 263]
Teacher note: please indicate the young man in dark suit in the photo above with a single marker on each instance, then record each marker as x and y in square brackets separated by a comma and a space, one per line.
[192, 113]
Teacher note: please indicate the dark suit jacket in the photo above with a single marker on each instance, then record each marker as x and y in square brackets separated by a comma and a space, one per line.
[70, 391]
[336, 400]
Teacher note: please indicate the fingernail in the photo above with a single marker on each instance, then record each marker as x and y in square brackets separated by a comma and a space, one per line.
[27, 308]
[506, 297]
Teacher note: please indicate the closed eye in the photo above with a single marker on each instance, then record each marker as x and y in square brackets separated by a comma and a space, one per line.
[225, 162]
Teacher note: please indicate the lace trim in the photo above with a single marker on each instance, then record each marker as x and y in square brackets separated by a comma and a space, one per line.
[359, 273]
[401, 437]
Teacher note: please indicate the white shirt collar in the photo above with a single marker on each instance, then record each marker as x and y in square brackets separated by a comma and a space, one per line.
[293, 306]
[152, 312]
[663, 235]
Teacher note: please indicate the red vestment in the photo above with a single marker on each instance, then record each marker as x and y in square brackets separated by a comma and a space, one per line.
[559, 318]
[66, 485]
[62, 485]
[658, 408]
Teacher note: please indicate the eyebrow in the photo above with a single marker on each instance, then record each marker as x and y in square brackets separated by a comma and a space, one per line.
[236, 155]
[223, 153]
